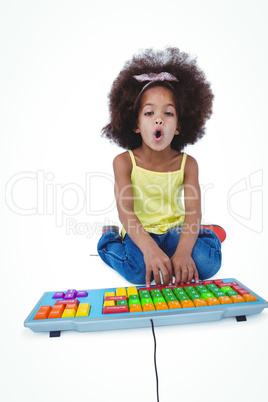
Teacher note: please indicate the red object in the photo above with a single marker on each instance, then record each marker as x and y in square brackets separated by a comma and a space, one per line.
[218, 230]
[115, 298]
[115, 309]
[67, 302]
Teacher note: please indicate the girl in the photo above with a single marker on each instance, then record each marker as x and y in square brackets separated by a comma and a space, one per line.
[159, 103]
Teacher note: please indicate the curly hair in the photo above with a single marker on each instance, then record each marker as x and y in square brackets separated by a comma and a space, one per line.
[192, 94]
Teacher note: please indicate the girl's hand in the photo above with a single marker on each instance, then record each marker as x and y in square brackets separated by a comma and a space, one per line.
[156, 260]
[184, 268]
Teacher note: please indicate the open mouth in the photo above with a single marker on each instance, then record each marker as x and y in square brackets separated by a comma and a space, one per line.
[158, 135]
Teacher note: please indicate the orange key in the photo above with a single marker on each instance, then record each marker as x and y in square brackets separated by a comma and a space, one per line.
[174, 304]
[42, 313]
[199, 302]
[135, 308]
[187, 303]
[237, 299]
[148, 307]
[161, 306]
[212, 301]
[56, 311]
[225, 300]
[249, 297]
[71, 306]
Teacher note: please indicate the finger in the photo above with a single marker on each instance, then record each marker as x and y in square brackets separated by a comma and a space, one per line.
[148, 277]
[190, 273]
[157, 277]
[177, 276]
[196, 276]
[184, 274]
[167, 273]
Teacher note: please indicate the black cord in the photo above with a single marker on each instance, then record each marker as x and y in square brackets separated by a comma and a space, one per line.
[155, 366]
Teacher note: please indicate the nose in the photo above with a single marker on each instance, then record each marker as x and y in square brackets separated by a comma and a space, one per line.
[158, 120]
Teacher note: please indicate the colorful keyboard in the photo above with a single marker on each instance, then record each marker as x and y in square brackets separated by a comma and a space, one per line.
[134, 307]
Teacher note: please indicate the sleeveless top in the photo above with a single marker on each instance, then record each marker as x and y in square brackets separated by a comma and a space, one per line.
[157, 197]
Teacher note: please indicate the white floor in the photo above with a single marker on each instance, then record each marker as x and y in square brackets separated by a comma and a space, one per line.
[59, 60]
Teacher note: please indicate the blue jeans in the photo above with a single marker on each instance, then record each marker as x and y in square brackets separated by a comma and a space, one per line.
[127, 259]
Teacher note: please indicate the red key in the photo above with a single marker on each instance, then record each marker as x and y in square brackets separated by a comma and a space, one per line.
[67, 302]
[115, 298]
[115, 309]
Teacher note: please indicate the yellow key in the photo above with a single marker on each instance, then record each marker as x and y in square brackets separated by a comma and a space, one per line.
[121, 292]
[132, 290]
[68, 313]
[83, 310]
[109, 303]
[109, 294]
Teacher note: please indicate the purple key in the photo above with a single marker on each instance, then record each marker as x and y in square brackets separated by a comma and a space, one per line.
[70, 294]
[58, 295]
[82, 293]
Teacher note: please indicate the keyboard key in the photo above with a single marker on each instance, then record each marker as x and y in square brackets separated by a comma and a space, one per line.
[121, 292]
[132, 290]
[231, 293]
[207, 295]
[237, 299]
[148, 307]
[225, 300]
[249, 297]
[109, 294]
[135, 308]
[199, 303]
[82, 293]
[225, 289]
[109, 303]
[58, 295]
[212, 301]
[115, 309]
[56, 311]
[43, 313]
[83, 310]
[187, 303]
[70, 294]
[68, 313]
[161, 306]
[174, 304]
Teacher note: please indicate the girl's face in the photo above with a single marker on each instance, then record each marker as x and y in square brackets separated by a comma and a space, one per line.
[157, 118]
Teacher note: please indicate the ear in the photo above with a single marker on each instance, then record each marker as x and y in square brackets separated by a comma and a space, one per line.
[137, 130]
[177, 132]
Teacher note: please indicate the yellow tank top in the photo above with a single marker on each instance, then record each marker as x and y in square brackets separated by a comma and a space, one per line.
[157, 197]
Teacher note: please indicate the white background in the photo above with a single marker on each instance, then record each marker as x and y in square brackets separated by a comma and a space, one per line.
[58, 60]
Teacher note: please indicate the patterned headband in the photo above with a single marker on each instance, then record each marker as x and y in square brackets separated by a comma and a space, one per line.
[155, 77]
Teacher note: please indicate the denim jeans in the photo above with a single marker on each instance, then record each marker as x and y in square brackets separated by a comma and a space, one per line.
[127, 259]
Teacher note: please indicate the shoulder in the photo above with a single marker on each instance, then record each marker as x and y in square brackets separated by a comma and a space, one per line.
[122, 162]
[191, 167]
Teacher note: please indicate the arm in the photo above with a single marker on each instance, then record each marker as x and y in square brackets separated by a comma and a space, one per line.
[155, 259]
[183, 265]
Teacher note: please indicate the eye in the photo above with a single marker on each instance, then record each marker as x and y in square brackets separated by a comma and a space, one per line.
[169, 114]
[148, 113]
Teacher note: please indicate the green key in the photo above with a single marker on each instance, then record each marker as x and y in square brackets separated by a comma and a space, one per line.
[182, 296]
[144, 294]
[169, 298]
[212, 287]
[147, 300]
[205, 296]
[194, 295]
[231, 293]
[226, 289]
[133, 301]
[158, 300]
[121, 303]
[201, 289]
[218, 293]
[133, 297]
[156, 293]
[188, 289]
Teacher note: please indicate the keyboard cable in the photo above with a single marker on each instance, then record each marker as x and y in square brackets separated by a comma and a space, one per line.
[155, 365]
